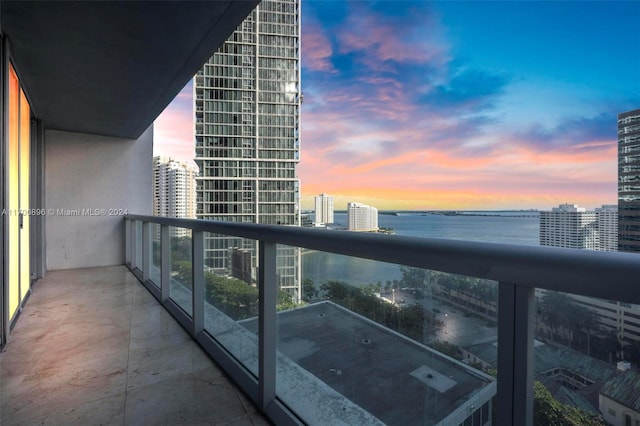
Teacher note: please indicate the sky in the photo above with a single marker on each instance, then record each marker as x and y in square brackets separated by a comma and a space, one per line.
[415, 105]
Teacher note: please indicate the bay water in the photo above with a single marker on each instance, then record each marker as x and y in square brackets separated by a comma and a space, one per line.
[511, 227]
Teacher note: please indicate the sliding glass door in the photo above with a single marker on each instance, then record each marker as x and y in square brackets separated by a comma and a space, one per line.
[17, 274]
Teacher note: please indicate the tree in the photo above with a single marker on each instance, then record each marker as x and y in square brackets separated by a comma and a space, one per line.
[587, 321]
[285, 301]
[554, 309]
[409, 320]
[413, 277]
[309, 292]
[182, 272]
[234, 297]
[550, 412]
[180, 248]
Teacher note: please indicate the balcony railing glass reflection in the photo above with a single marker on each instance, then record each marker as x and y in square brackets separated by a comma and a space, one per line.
[262, 363]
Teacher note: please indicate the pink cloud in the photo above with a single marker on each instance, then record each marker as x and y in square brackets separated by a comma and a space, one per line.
[343, 155]
[383, 40]
[316, 49]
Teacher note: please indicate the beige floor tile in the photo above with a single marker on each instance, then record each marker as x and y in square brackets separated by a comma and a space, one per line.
[172, 402]
[93, 347]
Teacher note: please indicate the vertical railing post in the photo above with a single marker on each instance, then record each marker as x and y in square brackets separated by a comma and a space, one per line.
[268, 288]
[146, 251]
[197, 272]
[516, 307]
[165, 263]
[134, 244]
[127, 242]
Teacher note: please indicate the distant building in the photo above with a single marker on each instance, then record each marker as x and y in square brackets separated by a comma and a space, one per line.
[323, 209]
[174, 190]
[574, 227]
[568, 226]
[629, 181]
[607, 225]
[305, 221]
[571, 226]
[361, 217]
[240, 261]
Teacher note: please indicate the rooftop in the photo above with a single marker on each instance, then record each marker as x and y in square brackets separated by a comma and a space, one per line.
[375, 367]
[548, 358]
[625, 389]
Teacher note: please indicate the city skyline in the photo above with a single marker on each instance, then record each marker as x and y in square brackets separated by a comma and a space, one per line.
[439, 109]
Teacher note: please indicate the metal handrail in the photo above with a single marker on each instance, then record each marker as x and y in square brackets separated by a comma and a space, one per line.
[607, 275]
[518, 269]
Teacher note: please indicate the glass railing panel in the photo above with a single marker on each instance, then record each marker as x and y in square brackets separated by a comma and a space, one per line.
[156, 254]
[586, 355]
[181, 282]
[376, 342]
[231, 295]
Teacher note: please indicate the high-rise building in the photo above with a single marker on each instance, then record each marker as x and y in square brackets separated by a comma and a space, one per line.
[607, 225]
[568, 226]
[361, 217]
[174, 190]
[571, 226]
[247, 119]
[574, 227]
[629, 181]
[323, 209]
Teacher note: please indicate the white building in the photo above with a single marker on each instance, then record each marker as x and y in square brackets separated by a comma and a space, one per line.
[574, 227]
[619, 398]
[361, 217]
[607, 223]
[571, 226]
[247, 120]
[323, 209]
[174, 190]
[568, 226]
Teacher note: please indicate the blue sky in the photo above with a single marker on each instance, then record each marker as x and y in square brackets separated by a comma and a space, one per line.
[426, 105]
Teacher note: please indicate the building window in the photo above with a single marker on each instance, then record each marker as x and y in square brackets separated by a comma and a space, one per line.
[612, 412]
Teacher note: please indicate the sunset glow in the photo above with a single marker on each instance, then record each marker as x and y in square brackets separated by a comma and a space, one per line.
[456, 105]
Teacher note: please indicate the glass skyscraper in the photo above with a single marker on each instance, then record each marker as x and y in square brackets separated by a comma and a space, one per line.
[247, 115]
[629, 181]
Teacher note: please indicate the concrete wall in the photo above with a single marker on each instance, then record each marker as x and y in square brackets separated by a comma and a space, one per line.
[97, 173]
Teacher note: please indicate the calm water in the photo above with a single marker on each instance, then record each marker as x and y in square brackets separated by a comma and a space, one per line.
[500, 227]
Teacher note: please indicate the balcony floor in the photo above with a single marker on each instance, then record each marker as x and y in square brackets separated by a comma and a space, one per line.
[94, 347]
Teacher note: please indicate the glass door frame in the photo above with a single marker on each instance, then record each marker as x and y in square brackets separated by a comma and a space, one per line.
[30, 263]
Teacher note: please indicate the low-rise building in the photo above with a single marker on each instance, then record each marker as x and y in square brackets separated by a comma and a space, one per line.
[396, 379]
[572, 377]
[620, 400]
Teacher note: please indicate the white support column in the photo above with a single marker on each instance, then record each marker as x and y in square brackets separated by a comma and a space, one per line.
[165, 262]
[146, 251]
[197, 272]
[134, 244]
[127, 242]
[515, 355]
[267, 326]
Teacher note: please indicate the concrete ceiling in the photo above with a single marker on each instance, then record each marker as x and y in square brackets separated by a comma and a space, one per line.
[111, 67]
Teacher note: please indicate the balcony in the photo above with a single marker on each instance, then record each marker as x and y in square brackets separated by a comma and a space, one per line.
[73, 340]
[327, 362]
[94, 347]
